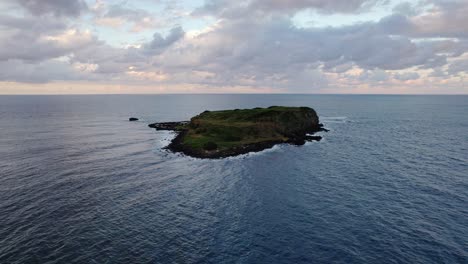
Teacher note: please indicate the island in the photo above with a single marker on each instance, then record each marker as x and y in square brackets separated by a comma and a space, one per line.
[219, 134]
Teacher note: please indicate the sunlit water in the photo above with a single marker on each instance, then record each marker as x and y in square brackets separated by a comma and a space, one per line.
[79, 183]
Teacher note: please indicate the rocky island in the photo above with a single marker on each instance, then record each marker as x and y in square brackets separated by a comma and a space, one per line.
[218, 134]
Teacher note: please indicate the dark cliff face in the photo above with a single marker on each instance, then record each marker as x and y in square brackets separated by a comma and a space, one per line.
[296, 122]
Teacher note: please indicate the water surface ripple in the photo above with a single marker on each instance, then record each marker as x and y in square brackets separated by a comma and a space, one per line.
[81, 184]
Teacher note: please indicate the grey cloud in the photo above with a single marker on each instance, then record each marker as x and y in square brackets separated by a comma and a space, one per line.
[407, 9]
[128, 13]
[395, 24]
[438, 72]
[43, 25]
[71, 8]
[272, 51]
[459, 66]
[29, 44]
[114, 61]
[373, 76]
[275, 44]
[406, 76]
[139, 18]
[251, 50]
[235, 9]
[110, 60]
[329, 6]
[32, 39]
[445, 13]
[337, 66]
[159, 43]
[446, 19]
[20, 71]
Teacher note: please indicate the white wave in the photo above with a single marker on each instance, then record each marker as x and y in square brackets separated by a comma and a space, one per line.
[319, 133]
[334, 119]
[307, 143]
[233, 158]
[165, 137]
[257, 153]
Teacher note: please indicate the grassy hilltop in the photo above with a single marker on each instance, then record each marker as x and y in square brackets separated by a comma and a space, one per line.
[232, 132]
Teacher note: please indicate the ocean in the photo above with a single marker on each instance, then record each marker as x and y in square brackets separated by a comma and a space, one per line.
[79, 183]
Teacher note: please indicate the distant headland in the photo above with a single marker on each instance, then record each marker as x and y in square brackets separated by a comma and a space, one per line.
[219, 134]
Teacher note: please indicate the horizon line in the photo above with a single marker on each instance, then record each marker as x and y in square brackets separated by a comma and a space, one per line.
[64, 94]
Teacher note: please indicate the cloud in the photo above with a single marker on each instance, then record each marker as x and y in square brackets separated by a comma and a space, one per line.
[32, 39]
[329, 6]
[10, 23]
[268, 52]
[253, 44]
[42, 72]
[38, 48]
[406, 76]
[119, 15]
[72, 8]
[444, 19]
[459, 66]
[114, 61]
[406, 8]
[241, 9]
[374, 76]
[274, 47]
[159, 43]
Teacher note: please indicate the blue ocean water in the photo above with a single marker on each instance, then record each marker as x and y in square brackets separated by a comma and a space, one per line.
[81, 184]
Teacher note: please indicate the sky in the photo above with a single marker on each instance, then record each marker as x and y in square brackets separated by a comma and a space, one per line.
[243, 46]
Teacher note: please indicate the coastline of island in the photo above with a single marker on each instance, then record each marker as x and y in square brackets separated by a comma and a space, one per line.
[227, 133]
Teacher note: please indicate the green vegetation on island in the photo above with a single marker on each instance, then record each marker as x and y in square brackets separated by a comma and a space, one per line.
[215, 134]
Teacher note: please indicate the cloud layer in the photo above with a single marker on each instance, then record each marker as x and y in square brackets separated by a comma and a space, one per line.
[255, 45]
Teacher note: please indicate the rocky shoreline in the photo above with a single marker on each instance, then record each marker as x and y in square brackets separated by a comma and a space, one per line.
[168, 125]
[177, 145]
[226, 133]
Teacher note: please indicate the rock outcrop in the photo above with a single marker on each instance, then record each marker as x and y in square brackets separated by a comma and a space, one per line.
[217, 134]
